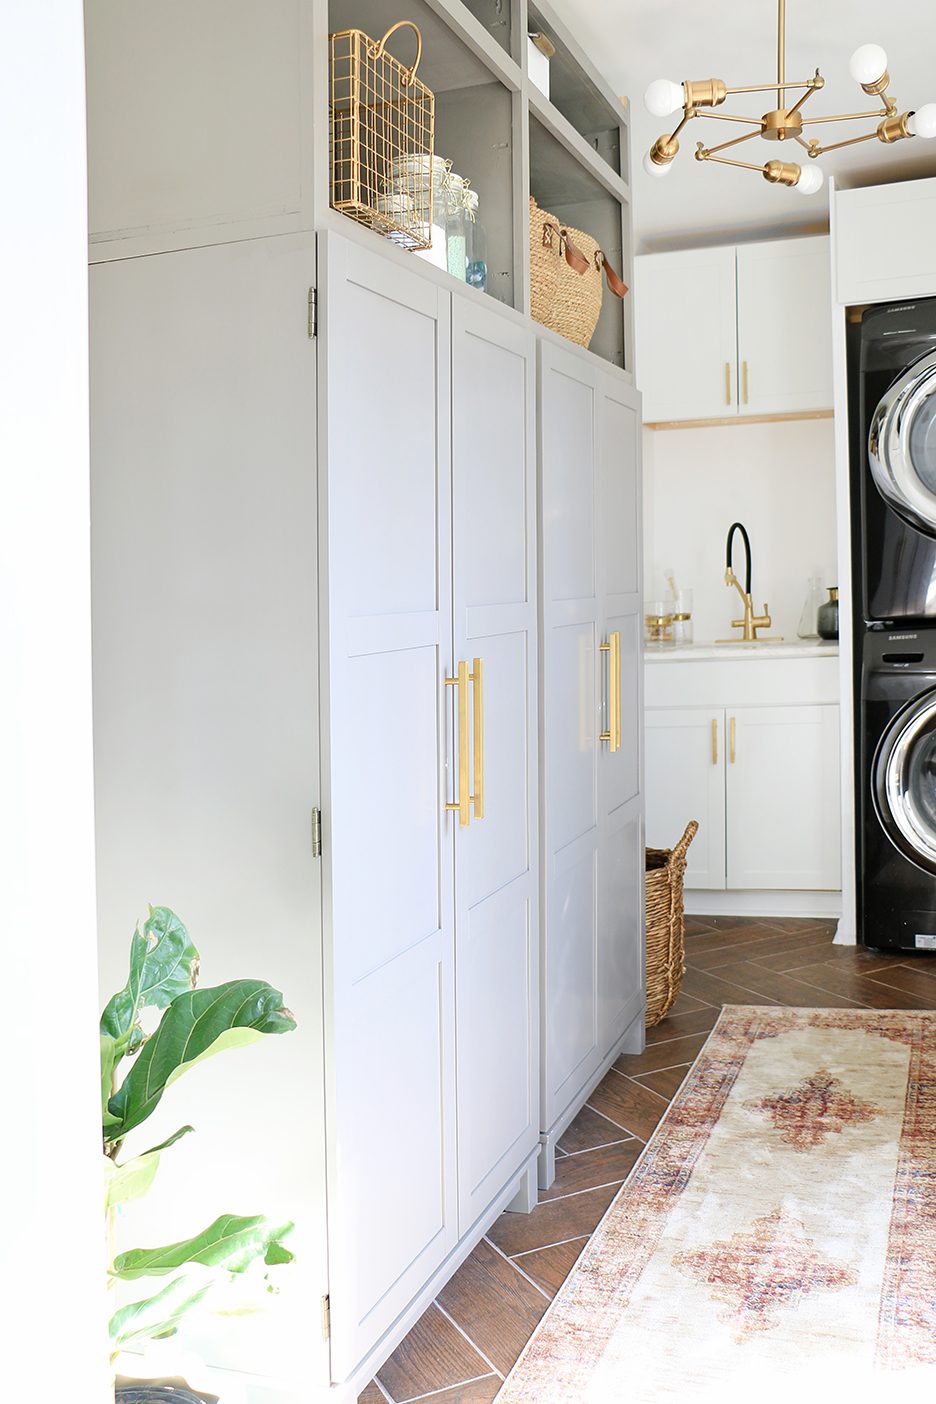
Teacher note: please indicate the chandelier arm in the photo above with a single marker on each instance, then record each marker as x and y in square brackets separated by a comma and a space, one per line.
[820, 150]
[781, 49]
[798, 104]
[771, 87]
[727, 117]
[724, 161]
[689, 112]
[749, 136]
[845, 116]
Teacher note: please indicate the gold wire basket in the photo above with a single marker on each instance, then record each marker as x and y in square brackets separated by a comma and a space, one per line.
[382, 136]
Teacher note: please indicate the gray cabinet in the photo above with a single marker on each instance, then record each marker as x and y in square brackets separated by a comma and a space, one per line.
[591, 836]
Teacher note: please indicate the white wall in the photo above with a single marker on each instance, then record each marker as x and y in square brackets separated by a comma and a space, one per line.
[52, 1307]
[778, 479]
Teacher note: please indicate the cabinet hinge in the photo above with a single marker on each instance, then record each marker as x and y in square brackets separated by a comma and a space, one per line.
[326, 1317]
[316, 833]
[313, 312]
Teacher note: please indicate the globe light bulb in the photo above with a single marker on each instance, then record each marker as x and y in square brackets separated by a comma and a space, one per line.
[810, 181]
[868, 64]
[652, 169]
[663, 98]
[922, 123]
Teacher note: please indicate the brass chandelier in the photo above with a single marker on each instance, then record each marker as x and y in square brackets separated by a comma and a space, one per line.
[868, 67]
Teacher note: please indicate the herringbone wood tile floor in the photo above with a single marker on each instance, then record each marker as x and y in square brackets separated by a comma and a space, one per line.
[465, 1343]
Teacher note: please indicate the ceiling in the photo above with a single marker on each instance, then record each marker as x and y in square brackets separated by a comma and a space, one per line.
[632, 42]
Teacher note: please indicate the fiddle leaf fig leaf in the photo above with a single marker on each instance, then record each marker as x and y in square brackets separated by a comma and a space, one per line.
[231, 1243]
[196, 1025]
[163, 964]
[133, 1178]
[109, 1060]
[159, 1315]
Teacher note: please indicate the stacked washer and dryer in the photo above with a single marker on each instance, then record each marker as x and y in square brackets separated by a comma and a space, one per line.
[893, 404]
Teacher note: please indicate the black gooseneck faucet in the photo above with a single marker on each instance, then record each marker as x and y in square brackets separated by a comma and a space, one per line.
[750, 624]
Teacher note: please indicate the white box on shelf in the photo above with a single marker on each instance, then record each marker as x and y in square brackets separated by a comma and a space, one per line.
[537, 67]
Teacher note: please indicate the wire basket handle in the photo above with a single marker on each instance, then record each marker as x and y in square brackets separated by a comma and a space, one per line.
[376, 50]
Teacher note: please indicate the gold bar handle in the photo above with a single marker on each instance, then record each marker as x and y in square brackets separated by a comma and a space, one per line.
[732, 757]
[744, 364]
[613, 649]
[727, 382]
[714, 741]
[477, 678]
[464, 797]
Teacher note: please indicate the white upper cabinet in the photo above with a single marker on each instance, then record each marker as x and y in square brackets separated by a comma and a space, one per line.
[684, 313]
[784, 326]
[735, 331]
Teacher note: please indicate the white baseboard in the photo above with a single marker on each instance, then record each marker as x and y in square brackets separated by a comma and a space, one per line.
[773, 903]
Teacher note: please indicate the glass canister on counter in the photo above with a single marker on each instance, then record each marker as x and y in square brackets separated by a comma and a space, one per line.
[680, 605]
[455, 226]
[658, 624]
[475, 244]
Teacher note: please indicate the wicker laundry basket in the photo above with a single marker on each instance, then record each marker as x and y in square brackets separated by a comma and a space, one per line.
[665, 948]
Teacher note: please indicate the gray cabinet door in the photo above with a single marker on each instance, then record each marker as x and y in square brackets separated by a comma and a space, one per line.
[591, 814]
[494, 621]
[388, 842]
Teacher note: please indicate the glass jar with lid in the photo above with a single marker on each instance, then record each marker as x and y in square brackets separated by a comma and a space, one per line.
[456, 220]
[424, 180]
[475, 244]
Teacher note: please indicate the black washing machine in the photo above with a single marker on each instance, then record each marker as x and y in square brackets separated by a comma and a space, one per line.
[894, 582]
[897, 875]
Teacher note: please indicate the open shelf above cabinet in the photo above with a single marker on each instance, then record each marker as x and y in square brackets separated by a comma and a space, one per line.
[562, 186]
[594, 113]
[474, 112]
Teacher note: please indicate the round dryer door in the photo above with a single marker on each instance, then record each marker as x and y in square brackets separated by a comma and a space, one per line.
[902, 445]
[904, 781]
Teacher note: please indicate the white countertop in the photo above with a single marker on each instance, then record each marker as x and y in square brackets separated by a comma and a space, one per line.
[737, 650]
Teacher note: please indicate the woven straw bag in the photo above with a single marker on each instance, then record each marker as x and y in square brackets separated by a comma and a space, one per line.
[666, 954]
[565, 292]
[544, 262]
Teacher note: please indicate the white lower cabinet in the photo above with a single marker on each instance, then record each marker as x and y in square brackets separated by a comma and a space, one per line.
[761, 780]
[591, 818]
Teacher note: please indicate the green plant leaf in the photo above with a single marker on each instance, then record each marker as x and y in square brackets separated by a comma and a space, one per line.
[196, 1025]
[133, 1178]
[159, 1315]
[230, 1243]
[109, 1060]
[163, 964]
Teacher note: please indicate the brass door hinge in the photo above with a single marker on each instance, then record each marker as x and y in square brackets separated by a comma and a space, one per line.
[326, 1317]
[316, 833]
[313, 312]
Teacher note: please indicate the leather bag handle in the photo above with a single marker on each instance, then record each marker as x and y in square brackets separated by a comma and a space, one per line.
[615, 284]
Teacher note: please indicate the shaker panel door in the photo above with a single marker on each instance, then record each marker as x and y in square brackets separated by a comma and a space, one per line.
[784, 326]
[685, 748]
[386, 838]
[620, 532]
[684, 314]
[569, 673]
[790, 754]
[494, 614]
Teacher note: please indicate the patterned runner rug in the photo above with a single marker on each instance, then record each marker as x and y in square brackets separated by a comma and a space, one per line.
[777, 1238]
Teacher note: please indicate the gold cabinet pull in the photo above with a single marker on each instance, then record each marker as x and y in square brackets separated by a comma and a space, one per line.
[714, 741]
[613, 649]
[464, 797]
[744, 365]
[477, 678]
[732, 740]
[727, 382]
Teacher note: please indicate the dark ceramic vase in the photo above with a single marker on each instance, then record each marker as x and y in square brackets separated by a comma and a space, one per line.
[827, 617]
